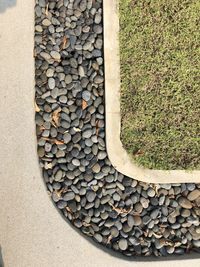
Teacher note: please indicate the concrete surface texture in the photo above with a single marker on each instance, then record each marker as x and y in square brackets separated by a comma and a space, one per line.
[117, 154]
[32, 232]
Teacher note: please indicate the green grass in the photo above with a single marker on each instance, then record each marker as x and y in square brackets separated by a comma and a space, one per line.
[160, 82]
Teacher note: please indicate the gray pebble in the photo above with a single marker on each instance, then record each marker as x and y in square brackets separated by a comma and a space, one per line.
[58, 175]
[68, 79]
[67, 138]
[51, 83]
[86, 95]
[87, 134]
[184, 203]
[69, 196]
[55, 55]
[98, 238]
[90, 196]
[123, 244]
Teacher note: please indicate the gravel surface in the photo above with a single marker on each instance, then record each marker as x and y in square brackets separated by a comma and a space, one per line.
[131, 217]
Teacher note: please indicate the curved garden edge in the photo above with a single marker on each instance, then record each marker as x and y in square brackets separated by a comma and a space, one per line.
[117, 154]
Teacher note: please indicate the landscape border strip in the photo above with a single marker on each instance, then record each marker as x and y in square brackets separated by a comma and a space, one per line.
[117, 154]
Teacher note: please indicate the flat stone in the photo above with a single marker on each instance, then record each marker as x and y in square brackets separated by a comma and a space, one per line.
[196, 243]
[46, 22]
[97, 18]
[55, 55]
[185, 203]
[68, 79]
[146, 219]
[81, 71]
[96, 168]
[69, 196]
[130, 221]
[123, 244]
[90, 196]
[67, 138]
[137, 220]
[154, 213]
[102, 155]
[98, 238]
[87, 133]
[58, 175]
[45, 55]
[86, 95]
[38, 28]
[193, 195]
[98, 79]
[151, 192]
[51, 83]
[50, 73]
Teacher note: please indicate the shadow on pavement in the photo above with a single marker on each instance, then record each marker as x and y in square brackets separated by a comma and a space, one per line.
[1, 259]
[4, 4]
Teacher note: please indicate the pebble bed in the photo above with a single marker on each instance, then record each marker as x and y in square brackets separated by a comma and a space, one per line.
[128, 216]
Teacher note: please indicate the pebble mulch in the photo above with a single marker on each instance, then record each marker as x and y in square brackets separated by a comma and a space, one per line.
[131, 217]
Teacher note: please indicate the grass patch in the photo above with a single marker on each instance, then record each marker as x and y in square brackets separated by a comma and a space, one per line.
[160, 82]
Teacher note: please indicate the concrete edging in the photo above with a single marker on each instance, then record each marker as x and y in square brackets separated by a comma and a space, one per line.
[117, 154]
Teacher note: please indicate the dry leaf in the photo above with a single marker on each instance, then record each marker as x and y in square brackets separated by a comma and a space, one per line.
[58, 192]
[177, 244]
[109, 239]
[157, 235]
[64, 42]
[47, 10]
[37, 109]
[86, 224]
[138, 153]
[84, 104]
[76, 129]
[53, 140]
[120, 210]
[56, 117]
[61, 191]
[69, 210]
[57, 142]
[97, 127]
[42, 128]
[48, 166]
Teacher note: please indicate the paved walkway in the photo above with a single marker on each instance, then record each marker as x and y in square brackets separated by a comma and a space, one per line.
[32, 233]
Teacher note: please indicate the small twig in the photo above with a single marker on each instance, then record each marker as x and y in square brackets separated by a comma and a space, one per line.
[120, 210]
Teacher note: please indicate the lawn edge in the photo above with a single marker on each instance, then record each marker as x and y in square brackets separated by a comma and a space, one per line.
[117, 154]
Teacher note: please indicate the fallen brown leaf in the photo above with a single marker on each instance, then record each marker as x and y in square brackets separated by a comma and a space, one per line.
[86, 224]
[37, 109]
[84, 104]
[64, 42]
[57, 142]
[69, 210]
[138, 153]
[157, 235]
[56, 117]
[109, 239]
[48, 166]
[120, 210]
[47, 10]
[97, 127]
[53, 140]
[76, 129]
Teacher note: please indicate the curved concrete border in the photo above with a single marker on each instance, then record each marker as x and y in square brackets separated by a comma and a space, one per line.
[117, 154]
